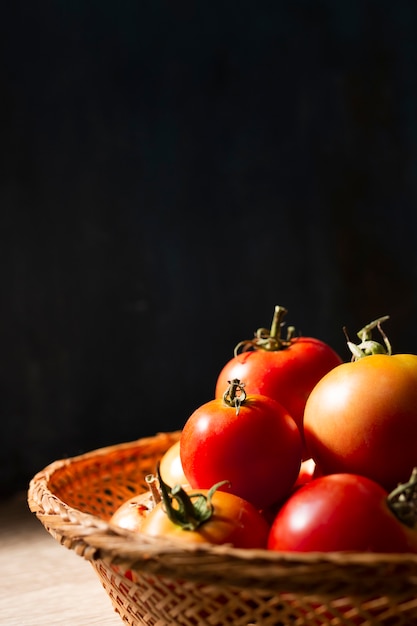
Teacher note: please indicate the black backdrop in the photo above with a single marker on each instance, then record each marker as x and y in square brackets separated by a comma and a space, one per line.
[170, 172]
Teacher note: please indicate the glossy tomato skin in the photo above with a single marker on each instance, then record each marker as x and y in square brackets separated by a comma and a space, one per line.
[131, 514]
[362, 418]
[234, 521]
[171, 468]
[340, 512]
[258, 450]
[286, 375]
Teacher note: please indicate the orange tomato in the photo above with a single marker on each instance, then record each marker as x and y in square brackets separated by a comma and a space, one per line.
[361, 418]
[233, 521]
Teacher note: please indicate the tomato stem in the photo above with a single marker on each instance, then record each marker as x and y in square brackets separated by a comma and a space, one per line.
[279, 313]
[367, 346]
[152, 483]
[269, 339]
[403, 501]
[235, 395]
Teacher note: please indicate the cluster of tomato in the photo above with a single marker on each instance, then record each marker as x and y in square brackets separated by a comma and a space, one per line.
[298, 451]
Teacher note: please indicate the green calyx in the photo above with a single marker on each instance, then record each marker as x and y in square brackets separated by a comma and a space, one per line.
[266, 339]
[368, 346]
[403, 501]
[189, 511]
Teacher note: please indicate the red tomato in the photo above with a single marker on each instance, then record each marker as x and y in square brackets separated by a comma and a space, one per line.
[171, 467]
[361, 418]
[286, 371]
[340, 512]
[233, 521]
[257, 448]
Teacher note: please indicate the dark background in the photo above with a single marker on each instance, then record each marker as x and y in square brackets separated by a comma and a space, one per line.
[171, 171]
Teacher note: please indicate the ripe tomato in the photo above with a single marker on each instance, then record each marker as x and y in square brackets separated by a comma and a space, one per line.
[232, 520]
[340, 512]
[362, 418]
[256, 446]
[171, 467]
[285, 370]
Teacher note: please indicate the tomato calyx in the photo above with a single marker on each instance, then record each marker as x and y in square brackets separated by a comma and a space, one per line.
[403, 501]
[189, 511]
[235, 394]
[367, 345]
[266, 339]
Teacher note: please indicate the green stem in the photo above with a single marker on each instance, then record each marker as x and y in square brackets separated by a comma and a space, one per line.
[271, 339]
[189, 511]
[367, 346]
[277, 322]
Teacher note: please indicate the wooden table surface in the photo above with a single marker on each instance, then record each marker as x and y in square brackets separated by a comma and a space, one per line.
[41, 582]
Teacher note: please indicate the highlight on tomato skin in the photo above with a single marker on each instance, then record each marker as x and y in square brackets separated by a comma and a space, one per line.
[171, 467]
[308, 471]
[258, 448]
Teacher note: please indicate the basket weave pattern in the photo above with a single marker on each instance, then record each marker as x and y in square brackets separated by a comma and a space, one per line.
[158, 582]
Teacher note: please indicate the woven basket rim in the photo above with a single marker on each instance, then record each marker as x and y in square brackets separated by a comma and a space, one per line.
[94, 538]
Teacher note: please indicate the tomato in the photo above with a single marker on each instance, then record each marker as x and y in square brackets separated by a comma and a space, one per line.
[131, 514]
[340, 512]
[256, 446]
[171, 467]
[285, 370]
[233, 520]
[362, 418]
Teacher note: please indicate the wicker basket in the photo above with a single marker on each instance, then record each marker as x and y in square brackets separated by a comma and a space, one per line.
[155, 582]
